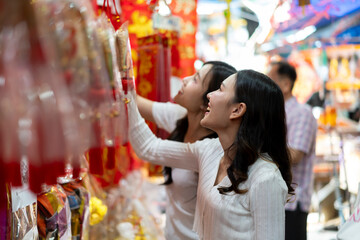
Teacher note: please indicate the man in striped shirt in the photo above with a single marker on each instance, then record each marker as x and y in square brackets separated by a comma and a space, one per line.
[301, 127]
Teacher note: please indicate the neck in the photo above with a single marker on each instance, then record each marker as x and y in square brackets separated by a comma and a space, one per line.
[195, 131]
[287, 96]
[227, 138]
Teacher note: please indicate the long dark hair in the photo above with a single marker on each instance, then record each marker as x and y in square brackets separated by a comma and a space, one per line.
[262, 129]
[218, 73]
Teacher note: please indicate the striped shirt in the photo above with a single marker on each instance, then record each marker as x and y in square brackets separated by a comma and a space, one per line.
[301, 134]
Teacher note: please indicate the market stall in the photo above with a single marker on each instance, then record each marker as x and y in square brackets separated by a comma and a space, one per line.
[67, 170]
[321, 40]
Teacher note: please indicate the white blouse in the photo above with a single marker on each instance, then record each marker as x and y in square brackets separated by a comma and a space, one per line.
[181, 193]
[259, 214]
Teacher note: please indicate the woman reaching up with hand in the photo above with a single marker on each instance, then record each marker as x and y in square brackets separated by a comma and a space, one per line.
[182, 121]
[244, 174]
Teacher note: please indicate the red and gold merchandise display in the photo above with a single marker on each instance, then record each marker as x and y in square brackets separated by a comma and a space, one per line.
[139, 15]
[178, 47]
[153, 78]
[40, 98]
[186, 10]
[65, 76]
[173, 42]
[114, 163]
[153, 81]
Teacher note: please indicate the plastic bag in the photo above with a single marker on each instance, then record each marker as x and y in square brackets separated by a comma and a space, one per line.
[124, 58]
[128, 214]
[98, 210]
[54, 216]
[78, 198]
[103, 96]
[30, 67]
[115, 121]
[70, 39]
[24, 215]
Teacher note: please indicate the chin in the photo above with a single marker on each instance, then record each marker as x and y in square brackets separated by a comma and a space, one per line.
[206, 123]
[176, 98]
[203, 123]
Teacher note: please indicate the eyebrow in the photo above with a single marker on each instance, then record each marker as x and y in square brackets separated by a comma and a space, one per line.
[197, 73]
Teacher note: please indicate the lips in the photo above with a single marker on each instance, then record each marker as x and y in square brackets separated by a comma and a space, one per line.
[208, 108]
[181, 91]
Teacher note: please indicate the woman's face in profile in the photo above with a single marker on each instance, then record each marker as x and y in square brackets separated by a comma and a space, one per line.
[192, 90]
[219, 108]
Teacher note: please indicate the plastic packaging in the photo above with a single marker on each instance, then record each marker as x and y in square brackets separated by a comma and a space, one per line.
[116, 120]
[29, 65]
[54, 216]
[24, 214]
[124, 59]
[98, 210]
[128, 214]
[78, 198]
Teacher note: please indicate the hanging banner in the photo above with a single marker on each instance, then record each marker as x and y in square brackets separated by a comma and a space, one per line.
[153, 81]
[186, 10]
[182, 44]
[138, 14]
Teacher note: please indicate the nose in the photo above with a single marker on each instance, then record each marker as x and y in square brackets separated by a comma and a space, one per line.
[209, 95]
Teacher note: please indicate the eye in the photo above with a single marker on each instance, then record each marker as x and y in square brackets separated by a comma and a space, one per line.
[196, 77]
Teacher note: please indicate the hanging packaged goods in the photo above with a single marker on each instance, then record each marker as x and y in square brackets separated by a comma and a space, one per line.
[64, 78]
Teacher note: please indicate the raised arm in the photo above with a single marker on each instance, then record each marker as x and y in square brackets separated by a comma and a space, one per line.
[145, 108]
[163, 152]
[163, 114]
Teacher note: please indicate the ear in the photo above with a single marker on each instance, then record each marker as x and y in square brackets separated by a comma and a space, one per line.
[287, 85]
[238, 110]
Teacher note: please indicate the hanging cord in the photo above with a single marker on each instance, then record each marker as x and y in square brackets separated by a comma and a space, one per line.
[108, 10]
[116, 11]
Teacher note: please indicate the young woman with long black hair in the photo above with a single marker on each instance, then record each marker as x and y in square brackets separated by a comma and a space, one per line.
[244, 174]
[182, 120]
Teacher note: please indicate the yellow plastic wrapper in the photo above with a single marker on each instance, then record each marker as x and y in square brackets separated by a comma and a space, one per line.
[98, 210]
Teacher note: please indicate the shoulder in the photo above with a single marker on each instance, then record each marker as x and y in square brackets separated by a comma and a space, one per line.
[265, 172]
[305, 108]
[208, 148]
[167, 114]
[209, 144]
[168, 106]
[299, 111]
[301, 107]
